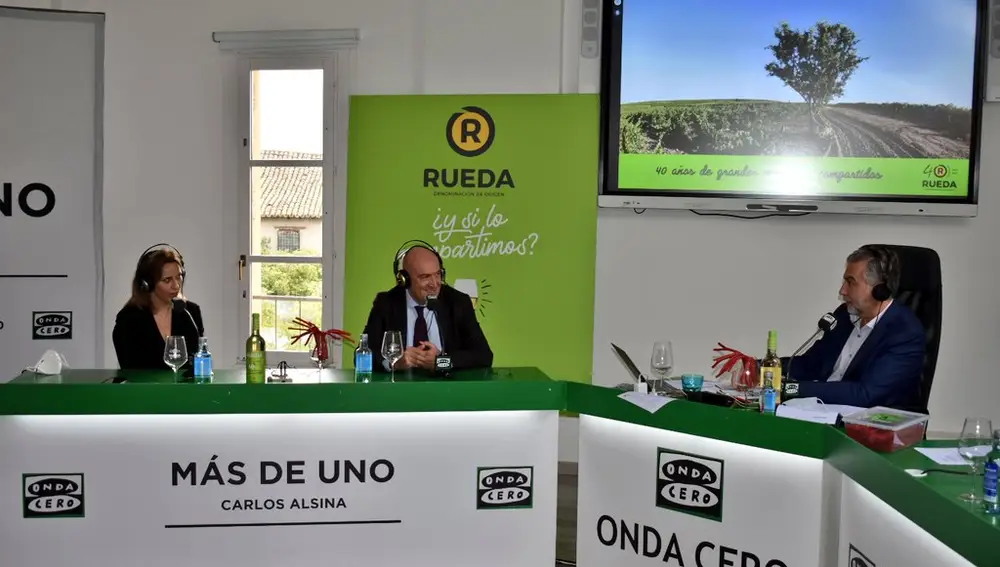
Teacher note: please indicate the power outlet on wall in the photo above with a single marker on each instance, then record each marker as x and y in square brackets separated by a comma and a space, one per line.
[589, 66]
[993, 55]
[590, 46]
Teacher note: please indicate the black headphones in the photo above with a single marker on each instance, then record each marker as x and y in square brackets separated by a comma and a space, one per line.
[403, 278]
[142, 267]
[886, 270]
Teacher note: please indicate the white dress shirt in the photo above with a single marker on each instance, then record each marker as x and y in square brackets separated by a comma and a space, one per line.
[430, 317]
[857, 338]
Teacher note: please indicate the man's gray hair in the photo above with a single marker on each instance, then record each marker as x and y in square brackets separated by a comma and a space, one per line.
[882, 265]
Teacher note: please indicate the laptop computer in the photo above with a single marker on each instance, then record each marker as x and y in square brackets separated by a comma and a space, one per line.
[633, 370]
[710, 398]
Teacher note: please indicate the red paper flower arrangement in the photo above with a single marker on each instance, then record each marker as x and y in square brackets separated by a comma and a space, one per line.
[310, 332]
[741, 367]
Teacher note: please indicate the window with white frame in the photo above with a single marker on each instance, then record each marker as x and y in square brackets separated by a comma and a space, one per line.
[289, 240]
[291, 119]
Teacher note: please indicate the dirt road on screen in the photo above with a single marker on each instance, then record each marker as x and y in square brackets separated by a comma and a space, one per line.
[857, 133]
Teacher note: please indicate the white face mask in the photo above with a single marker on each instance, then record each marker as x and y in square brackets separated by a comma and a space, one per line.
[51, 363]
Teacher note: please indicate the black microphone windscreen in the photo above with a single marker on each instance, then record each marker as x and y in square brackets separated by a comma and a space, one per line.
[827, 323]
[432, 302]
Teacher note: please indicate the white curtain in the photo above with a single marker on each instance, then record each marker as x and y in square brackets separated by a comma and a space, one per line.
[51, 234]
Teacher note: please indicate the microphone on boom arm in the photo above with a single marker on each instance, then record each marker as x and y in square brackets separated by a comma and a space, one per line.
[442, 364]
[180, 304]
[826, 324]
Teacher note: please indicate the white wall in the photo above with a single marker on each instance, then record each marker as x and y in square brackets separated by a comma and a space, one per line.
[310, 232]
[169, 98]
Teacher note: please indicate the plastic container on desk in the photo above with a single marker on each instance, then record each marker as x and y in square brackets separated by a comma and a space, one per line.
[885, 429]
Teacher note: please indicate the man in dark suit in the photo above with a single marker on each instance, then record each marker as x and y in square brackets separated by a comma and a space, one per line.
[432, 317]
[875, 354]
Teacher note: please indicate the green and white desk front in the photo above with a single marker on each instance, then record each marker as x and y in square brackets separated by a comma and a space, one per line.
[458, 472]
[155, 474]
[713, 487]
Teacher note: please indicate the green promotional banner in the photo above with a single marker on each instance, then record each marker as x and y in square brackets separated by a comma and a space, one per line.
[801, 175]
[505, 187]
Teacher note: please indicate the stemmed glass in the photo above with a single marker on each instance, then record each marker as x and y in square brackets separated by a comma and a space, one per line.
[973, 445]
[661, 362]
[392, 350]
[175, 353]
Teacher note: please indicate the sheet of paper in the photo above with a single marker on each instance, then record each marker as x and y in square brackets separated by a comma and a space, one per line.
[815, 405]
[816, 414]
[844, 410]
[944, 455]
[648, 402]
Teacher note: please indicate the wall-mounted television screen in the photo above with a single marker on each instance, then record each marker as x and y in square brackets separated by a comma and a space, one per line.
[850, 106]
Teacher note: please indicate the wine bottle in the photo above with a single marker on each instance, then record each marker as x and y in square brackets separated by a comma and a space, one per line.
[256, 354]
[770, 367]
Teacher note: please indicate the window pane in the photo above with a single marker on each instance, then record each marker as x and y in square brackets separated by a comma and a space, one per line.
[286, 114]
[286, 201]
[288, 240]
[282, 292]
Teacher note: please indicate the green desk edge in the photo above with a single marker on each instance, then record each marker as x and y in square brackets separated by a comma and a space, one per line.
[929, 502]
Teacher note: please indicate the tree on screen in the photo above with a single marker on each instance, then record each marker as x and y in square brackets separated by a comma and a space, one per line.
[817, 62]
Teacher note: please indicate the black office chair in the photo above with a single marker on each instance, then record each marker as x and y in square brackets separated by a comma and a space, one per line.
[920, 290]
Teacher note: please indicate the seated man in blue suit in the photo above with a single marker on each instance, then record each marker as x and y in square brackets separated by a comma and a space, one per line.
[875, 354]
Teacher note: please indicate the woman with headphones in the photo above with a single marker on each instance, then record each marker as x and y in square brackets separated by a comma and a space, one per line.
[156, 310]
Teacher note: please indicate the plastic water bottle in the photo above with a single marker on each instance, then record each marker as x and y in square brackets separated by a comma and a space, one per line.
[991, 504]
[203, 362]
[363, 361]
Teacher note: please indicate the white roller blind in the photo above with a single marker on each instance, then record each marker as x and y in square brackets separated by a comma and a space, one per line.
[51, 235]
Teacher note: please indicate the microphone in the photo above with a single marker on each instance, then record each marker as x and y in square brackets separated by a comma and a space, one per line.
[180, 304]
[826, 324]
[433, 307]
[442, 363]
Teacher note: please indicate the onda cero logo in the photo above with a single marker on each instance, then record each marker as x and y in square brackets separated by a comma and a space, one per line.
[689, 483]
[504, 487]
[857, 559]
[52, 495]
[51, 325]
[471, 131]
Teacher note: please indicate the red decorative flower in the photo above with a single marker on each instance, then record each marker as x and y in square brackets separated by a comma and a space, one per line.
[729, 359]
[311, 332]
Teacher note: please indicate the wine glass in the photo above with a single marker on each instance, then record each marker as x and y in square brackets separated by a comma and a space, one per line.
[392, 350]
[661, 362]
[973, 445]
[175, 353]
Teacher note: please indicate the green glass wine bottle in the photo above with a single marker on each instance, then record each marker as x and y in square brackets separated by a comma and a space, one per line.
[256, 354]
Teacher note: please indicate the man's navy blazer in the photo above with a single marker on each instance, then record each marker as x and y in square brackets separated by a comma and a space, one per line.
[885, 371]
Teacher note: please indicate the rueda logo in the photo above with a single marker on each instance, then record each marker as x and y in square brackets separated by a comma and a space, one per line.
[689, 483]
[505, 487]
[857, 559]
[51, 325]
[52, 495]
[471, 131]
